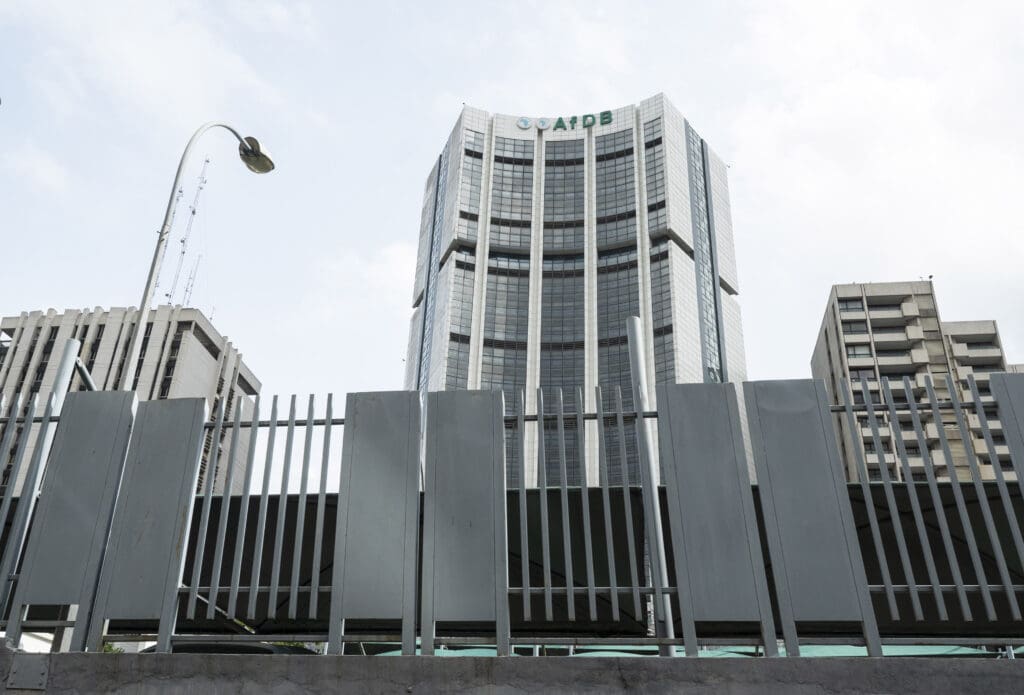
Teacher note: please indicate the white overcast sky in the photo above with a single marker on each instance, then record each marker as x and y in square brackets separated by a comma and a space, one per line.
[866, 142]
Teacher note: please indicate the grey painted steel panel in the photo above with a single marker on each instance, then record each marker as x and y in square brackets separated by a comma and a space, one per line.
[817, 566]
[464, 434]
[719, 568]
[1008, 390]
[377, 524]
[380, 464]
[146, 551]
[73, 515]
[465, 576]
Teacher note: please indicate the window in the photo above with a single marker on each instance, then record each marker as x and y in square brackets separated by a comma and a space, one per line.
[858, 398]
[851, 305]
[855, 327]
[858, 351]
[857, 374]
[896, 378]
[892, 353]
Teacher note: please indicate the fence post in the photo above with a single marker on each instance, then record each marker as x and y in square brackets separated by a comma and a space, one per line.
[649, 486]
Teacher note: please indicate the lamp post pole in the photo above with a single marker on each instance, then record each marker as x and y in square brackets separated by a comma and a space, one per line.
[257, 161]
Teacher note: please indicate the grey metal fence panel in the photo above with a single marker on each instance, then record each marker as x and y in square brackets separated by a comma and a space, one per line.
[145, 555]
[374, 573]
[816, 561]
[72, 520]
[1008, 390]
[720, 573]
[465, 545]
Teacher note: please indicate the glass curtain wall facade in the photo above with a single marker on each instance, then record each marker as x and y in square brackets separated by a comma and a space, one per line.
[539, 238]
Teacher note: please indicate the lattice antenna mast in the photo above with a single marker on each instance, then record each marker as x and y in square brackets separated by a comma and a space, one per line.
[191, 281]
[184, 240]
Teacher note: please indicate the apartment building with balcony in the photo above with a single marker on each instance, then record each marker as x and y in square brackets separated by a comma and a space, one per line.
[893, 331]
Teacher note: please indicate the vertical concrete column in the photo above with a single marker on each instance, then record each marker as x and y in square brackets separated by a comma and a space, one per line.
[483, 236]
[529, 455]
[590, 359]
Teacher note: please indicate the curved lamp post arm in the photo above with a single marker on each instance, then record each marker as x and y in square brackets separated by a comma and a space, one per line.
[165, 228]
[258, 161]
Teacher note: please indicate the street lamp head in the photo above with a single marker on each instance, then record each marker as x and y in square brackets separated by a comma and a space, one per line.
[254, 156]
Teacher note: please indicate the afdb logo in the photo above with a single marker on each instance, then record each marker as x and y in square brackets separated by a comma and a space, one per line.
[541, 123]
[586, 121]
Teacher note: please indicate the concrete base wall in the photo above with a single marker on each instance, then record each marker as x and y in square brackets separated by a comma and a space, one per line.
[211, 673]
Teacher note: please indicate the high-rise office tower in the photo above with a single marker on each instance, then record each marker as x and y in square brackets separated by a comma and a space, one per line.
[893, 330]
[182, 355]
[539, 237]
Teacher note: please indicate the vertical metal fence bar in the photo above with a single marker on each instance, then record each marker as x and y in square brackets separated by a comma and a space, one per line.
[222, 521]
[915, 505]
[5, 447]
[961, 505]
[542, 484]
[261, 523]
[204, 524]
[649, 485]
[979, 491]
[997, 469]
[890, 498]
[282, 512]
[570, 593]
[524, 538]
[857, 441]
[602, 462]
[627, 501]
[300, 517]
[499, 485]
[321, 504]
[933, 490]
[243, 511]
[588, 547]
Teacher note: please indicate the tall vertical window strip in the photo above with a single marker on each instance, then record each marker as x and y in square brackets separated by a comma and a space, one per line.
[469, 189]
[707, 301]
[512, 193]
[461, 318]
[562, 358]
[506, 324]
[563, 195]
[429, 305]
[615, 188]
[618, 298]
[654, 156]
[661, 313]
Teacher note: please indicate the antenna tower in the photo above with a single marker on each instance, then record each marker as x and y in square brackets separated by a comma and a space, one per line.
[184, 242]
[191, 281]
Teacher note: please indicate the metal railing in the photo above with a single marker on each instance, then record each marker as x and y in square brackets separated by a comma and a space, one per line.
[583, 560]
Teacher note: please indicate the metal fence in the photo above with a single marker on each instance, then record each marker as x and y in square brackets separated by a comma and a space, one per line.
[396, 525]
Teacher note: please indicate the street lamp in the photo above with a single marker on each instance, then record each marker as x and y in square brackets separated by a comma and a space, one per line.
[258, 161]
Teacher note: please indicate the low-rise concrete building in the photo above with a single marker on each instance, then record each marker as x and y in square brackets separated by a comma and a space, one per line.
[182, 355]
